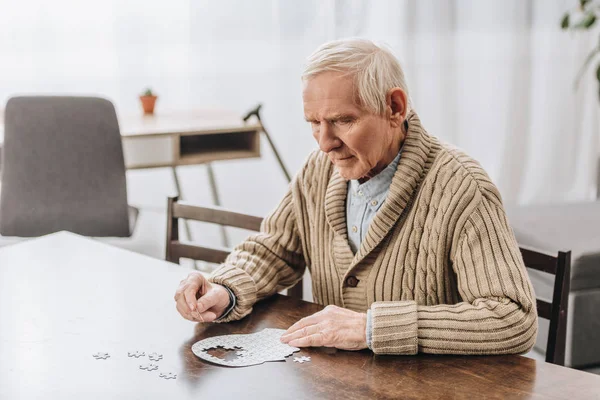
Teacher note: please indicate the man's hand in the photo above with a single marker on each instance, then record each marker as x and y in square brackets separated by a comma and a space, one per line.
[199, 300]
[332, 327]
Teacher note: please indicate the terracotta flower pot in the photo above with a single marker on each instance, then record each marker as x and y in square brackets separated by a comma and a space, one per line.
[148, 103]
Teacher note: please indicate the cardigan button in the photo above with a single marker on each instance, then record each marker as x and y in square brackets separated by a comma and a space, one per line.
[352, 281]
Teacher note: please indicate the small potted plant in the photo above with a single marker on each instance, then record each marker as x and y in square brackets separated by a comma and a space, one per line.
[148, 99]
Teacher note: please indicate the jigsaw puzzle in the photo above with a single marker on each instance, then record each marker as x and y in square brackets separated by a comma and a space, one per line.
[251, 349]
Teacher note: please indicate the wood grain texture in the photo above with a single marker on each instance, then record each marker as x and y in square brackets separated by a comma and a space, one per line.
[64, 297]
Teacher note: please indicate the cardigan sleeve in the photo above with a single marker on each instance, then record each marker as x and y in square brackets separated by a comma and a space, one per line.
[265, 263]
[497, 312]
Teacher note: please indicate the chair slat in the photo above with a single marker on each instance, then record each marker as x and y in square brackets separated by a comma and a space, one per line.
[216, 215]
[539, 261]
[544, 309]
[195, 252]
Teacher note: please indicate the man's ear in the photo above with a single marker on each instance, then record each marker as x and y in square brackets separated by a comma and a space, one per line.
[396, 101]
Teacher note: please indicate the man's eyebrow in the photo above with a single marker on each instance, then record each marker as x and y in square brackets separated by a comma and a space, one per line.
[333, 117]
[336, 117]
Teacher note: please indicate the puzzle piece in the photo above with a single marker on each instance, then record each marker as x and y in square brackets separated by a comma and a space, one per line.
[169, 375]
[101, 356]
[155, 357]
[136, 354]
[301, 360]
[149, 367]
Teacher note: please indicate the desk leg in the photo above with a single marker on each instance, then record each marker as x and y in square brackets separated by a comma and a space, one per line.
[215, 195]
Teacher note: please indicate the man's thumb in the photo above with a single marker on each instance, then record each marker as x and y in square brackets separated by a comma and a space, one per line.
[207, 301]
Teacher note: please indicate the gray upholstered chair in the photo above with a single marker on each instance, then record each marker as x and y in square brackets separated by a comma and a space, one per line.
[575, 227]
[63, 168]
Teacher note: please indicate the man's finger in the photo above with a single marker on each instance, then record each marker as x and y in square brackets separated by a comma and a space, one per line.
[316, 340]
[179, 292]
[190, 293]
[302, 332]
[208, 316]
[183, 306]
[185, 314]
[306, 321]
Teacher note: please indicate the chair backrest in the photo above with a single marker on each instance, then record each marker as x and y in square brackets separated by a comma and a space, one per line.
[62, 168]
[556, 312]
[215, 215]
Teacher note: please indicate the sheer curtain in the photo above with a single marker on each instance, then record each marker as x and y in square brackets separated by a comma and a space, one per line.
[492, 77]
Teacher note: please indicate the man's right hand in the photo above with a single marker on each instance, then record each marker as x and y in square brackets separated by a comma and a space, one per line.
[199, 300]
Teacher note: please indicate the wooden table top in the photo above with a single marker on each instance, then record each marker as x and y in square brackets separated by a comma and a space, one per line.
[183, 122]
[64, 297]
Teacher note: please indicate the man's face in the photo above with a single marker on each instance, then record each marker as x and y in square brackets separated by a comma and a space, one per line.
[356, 140]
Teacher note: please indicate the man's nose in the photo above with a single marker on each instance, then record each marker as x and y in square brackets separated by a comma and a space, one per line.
[327, 139]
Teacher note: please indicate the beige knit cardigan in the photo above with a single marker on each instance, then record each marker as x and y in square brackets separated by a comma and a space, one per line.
[439, 268]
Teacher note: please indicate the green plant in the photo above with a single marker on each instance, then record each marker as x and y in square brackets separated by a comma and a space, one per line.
[148, 92]
[583, 18]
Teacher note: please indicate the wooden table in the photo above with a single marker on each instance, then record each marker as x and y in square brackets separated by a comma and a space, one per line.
[64, 297]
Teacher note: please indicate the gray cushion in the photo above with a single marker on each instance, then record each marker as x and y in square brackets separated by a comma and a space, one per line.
[574, 227]
[62, 168]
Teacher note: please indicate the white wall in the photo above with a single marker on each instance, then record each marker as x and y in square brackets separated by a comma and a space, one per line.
[493, 77]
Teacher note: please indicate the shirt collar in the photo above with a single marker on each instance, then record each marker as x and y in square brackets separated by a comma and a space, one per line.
[379, 183]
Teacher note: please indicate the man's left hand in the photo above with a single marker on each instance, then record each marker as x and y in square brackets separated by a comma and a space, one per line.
[332, 327]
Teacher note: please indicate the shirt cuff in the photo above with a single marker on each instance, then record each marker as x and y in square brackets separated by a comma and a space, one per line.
[231, 304]
[369, 329]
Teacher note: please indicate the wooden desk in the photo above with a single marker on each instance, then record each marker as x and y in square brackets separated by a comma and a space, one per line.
[64, 297]
[184, 138]
[187, 138]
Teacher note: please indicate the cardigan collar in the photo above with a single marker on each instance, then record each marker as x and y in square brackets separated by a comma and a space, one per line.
[409, 174]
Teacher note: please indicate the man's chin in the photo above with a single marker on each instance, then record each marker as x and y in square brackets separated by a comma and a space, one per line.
[349, 174]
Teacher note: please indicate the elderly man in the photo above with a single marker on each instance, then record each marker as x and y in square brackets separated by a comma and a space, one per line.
[405, 237]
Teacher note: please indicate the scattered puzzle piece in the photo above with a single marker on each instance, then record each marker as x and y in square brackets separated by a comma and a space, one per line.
[136, 354]
[169, 375]
[101, 356]
[302, 359]
[149, 367]
[155, 357]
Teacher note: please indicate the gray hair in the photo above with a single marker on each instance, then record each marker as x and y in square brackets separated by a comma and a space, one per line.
[376, 70]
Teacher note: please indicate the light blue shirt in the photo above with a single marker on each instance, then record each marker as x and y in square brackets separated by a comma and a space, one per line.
[362, 203]
[364, 200]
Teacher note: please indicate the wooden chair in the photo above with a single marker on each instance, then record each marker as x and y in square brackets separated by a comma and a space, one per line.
[214, 215]
[556, 312]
